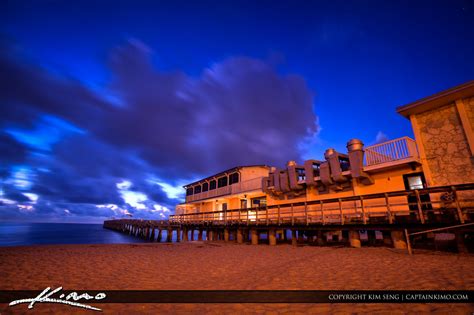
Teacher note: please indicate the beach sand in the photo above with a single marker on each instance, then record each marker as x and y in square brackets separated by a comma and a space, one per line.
[228, 266]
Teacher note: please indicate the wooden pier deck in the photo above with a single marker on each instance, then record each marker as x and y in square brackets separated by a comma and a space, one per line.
[393, 215]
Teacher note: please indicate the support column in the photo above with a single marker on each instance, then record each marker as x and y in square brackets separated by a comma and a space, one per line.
[169, 236]
[320, 238]
[226, 234]
[240, 236]
[272, 237]
[300, 236]
[294, 241]
[152, 237]
[210, 235]
[398, 240]
[178, 235]
[460, 242]
[192, 234]
[354, 239]
[200, 234]
[254, 236]
[158, 238]
[185, 234]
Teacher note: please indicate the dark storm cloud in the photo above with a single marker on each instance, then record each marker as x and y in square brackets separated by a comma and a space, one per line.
[165, 124]
[28, 90]
[11, 150]
[240, 111]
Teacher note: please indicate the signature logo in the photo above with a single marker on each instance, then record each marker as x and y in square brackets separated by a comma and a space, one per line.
[71, 299]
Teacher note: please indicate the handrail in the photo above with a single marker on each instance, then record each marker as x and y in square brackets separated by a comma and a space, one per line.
[397, 193]
[389, 151]
[354, 209]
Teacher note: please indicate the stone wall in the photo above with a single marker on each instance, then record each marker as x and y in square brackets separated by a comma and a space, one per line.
[446, 148]
[469, 105]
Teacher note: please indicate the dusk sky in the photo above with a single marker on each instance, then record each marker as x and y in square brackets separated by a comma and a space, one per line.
[108, 107]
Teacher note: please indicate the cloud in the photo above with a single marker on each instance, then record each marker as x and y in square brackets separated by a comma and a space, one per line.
[164, 126]
[380, 137]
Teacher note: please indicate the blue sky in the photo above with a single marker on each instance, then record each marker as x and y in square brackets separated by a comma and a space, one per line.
[145, 84]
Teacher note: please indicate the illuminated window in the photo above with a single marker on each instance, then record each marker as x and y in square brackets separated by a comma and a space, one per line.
[205, 187]
[415, 182]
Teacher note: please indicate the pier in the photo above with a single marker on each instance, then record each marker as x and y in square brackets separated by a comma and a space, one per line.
[375, 219]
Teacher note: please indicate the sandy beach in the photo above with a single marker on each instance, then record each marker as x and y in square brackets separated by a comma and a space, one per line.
[218, 265]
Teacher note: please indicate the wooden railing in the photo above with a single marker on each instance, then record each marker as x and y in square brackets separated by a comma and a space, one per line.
[240, 187]
[434, 204]
[390, 151]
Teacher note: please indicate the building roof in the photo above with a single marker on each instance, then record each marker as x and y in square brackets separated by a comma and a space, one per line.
[230, 170]
[437, 100]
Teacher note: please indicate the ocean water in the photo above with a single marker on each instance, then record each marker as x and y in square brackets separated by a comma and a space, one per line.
[19, 234]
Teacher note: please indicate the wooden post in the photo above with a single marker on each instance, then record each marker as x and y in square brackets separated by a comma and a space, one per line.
[248, 221]
[292, 215]
[169, 236]
[294, 241]
[254, 236]
[389, 210]
[460, 242]
[300, 236]
[398, 240]
[320, 238]
[458, 206]
[340, 211]
[279, 222]
[192, 234]
[185, 234]
[272, 237]
[158, 238]
[178, 235]
[256, 215]
[240, 237]
[266, 215]
[152, 237]
[418, 202]
[226, 234]
[200, 234]
[322, 212]
[306, 212]
[354, 239]
[364, 218]
[407, 237]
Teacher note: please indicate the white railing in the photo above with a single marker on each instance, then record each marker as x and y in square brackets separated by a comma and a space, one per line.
[240, 187]
[390, 151]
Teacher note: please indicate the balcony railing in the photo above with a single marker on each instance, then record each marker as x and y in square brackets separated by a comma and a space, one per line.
[391, 151]
[447, 204]
[237, 188]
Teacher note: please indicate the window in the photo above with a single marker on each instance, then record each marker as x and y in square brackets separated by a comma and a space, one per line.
[189, 191]
[222, 182]
[259, 202]
[301, 174]
[212, 185]
[415, 182]
[197, 189]
[233, 178]
[205, 187]
[316, 170]
[345, 166]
